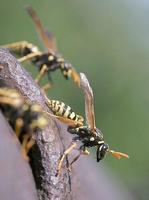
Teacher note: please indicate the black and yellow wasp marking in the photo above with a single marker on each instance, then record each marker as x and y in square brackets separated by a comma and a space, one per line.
[88, 134]
[23, 117]
[64, 112]
[46, 62]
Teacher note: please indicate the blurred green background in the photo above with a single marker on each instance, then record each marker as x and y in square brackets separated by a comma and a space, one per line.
[109, 41]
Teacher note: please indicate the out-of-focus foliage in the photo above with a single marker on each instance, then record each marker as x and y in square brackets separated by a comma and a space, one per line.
[109, 41]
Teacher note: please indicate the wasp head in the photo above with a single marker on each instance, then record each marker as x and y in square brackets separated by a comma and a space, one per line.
[102, 149]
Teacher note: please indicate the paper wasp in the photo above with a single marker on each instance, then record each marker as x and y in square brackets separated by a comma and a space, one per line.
[88, 134]
[22, 116]
[48, 61]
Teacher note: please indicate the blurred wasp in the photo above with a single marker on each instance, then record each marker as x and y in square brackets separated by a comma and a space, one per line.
[46, 62]
[23, 117]
[88, 135]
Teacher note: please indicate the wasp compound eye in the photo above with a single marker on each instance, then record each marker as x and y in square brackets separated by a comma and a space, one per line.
[101, 151]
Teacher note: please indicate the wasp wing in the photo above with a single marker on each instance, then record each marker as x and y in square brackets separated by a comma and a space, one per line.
[89, 101]
[40, 29]
[52, 40]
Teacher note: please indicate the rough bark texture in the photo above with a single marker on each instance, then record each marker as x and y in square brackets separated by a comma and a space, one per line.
[86, 180]
[47, 151]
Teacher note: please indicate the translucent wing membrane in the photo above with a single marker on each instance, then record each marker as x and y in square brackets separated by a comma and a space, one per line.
[52, 40]
[89, 101]
[40, 29]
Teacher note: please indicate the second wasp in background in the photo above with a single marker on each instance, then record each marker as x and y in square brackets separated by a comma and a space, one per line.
[48, 61]
[23, 117]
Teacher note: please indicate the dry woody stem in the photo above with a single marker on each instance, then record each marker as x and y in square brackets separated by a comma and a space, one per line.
[45, 154]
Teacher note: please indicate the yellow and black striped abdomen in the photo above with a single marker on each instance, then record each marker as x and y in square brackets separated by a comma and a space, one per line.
[63, 110]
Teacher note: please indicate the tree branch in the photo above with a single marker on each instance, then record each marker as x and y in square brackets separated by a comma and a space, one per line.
[47, 151]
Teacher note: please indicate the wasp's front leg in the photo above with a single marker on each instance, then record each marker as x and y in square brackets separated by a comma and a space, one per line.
[66, 152]
[82, 151]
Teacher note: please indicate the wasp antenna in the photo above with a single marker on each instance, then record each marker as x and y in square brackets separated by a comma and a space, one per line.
[76, 77]
[118, 155]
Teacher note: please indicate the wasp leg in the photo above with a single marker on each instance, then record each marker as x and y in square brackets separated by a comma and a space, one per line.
[17, 45]
[24, 144]
[82, 151]
[46, 87]
[18, 126]
[29, 145]
[66, 152]
[29, 56]
[41, 73]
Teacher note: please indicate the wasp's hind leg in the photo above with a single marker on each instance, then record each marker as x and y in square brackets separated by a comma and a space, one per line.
[66, 152]
[27, 144]
[46, 87]
[29, 56]
[49, 85]
[82, 151]
[18, 126]
[42, 72]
